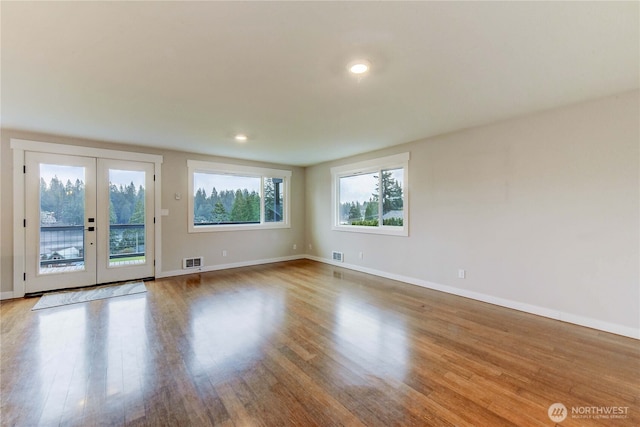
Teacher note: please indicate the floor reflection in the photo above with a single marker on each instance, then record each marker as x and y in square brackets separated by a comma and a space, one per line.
[286, 344]
[127, 347]
[366, 332]
[90, 356]
[229, 328]
[62, 362]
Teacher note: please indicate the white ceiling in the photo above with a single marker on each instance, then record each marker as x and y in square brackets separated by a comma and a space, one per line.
[190, 75]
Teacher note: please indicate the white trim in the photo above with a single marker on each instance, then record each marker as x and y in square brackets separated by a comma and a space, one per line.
[370, 166]
[194, 166]
[19, 266]
[6, 295]
[217, 267]
[386, 230]
[157, 185]
[233, 169]
[575, 319]
[1, 226]
[19, 146]
[80, 150]
[236, 227]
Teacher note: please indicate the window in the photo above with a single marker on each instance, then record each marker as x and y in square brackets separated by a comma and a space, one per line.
[226, 197]
[371, 196]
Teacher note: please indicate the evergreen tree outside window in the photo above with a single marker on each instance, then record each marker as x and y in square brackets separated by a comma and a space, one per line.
[234, 197]
[357, 206]
[372, 196]
[273, 199]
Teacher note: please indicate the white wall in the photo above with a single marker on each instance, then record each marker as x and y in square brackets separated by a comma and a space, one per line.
[542, 212]
[243, 247]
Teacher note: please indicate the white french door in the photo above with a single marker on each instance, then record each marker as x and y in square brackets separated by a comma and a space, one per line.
[88, 221]
[60, 244]
[126, 231]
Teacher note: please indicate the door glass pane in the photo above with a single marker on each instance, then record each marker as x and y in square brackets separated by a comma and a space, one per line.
[62, 215]
[126, 217]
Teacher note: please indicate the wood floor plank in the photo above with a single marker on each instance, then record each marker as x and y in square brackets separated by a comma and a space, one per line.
[302, 343]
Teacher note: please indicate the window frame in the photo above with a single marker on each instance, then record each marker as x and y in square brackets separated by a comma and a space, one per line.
[198, 166]
[378, 165]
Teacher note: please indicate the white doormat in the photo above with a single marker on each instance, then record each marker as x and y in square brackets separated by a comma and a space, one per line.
[99, 292]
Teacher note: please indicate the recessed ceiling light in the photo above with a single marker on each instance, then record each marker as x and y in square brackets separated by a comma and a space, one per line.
[359, 67]
[241, 137]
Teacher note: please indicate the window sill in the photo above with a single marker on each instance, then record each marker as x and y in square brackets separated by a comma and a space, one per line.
[235, 227]
[388, 231]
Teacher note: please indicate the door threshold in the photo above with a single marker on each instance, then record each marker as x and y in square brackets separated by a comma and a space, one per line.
[80, 288]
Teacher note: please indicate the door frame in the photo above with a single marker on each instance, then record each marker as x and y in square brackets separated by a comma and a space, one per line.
[19, 146]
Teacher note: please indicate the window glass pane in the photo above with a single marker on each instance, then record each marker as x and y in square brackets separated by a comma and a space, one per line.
[374, 202]
[225, 199]
[392, 197]
[359, 200]
[273, 199]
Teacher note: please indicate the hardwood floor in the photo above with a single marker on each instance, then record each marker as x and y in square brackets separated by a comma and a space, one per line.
[303, 343]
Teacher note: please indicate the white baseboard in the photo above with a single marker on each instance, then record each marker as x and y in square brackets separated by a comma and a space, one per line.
[204, 269]
[588, 322]
[6, 295]
[600, 325]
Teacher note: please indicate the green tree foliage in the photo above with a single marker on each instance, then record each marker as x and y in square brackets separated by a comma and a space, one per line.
[138, 216]
[344, 210]
[113, 218]
[125, 199]
[355, 212]
[366, 222]
[138, 213]
[239, 209]
[227, 206]
[220, 214]
[64, 205]
[73, 203]
[202, 207]
[246, 207]
[392, 200]
[391, 193]
[273, 202]
[371, 210]
[393, 221]
[65, 202]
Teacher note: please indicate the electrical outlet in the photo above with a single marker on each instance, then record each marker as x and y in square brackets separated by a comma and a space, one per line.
[310, 247]
[224, 252]
[462, 274]
[360, 255]
[295, 246]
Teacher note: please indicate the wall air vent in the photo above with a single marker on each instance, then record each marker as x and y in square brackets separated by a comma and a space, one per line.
[337, 256]
[188, 263]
